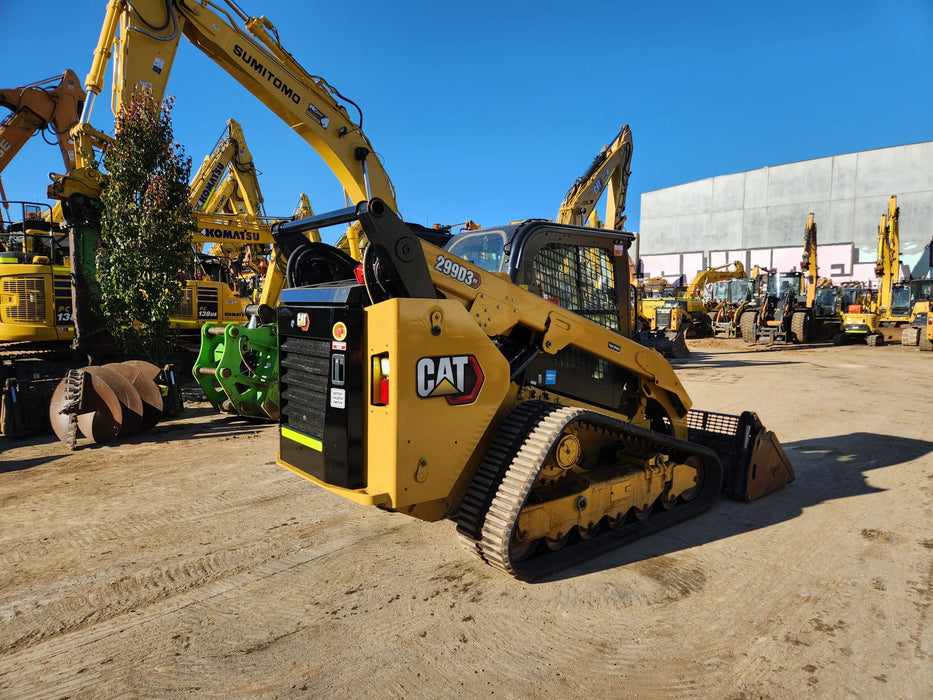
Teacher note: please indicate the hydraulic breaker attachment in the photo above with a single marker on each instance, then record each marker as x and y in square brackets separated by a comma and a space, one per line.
[237, 369]
[754, 463]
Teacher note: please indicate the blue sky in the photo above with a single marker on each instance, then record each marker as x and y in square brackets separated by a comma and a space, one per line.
[489, 111]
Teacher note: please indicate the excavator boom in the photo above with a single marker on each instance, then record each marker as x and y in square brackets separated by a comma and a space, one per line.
[610, 171]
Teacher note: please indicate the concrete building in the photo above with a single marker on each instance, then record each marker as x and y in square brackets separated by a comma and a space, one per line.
[759, 216]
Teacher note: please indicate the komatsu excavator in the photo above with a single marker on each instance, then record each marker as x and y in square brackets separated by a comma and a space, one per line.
[493, 382]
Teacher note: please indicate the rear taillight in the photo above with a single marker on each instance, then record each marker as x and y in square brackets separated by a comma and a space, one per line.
[380, 380]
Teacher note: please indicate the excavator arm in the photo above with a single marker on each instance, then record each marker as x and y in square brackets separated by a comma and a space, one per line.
[37, 107]
[808, 264]
[609, 171]
[211, 192]
[714, 274]
[144, 37]
[887, 264]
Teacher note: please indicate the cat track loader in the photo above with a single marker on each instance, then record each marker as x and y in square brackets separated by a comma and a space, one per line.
[493, 382]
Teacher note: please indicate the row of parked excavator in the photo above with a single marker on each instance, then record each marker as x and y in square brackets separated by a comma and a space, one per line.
[797, 306]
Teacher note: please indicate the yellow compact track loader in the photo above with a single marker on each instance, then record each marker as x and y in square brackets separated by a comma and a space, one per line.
[493, 382]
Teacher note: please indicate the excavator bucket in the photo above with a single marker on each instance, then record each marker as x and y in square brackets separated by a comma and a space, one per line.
[237, 369]
[754, 463]
[106, 402]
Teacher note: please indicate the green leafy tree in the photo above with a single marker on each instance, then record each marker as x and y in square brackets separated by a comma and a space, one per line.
[146, 227]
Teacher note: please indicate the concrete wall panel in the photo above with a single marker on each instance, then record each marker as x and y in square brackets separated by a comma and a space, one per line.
[756, 189]
[767, 208]
[728, 193]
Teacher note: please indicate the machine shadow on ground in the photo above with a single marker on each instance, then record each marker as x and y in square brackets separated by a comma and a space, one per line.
[826, 469]
[177, 428]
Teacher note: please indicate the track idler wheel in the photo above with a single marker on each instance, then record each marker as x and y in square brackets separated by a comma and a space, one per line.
[105, 402]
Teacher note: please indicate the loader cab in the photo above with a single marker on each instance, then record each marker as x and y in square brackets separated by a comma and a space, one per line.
[783, 282]
[853, 296]
[920, 291]
[734, 291]
[581, 269]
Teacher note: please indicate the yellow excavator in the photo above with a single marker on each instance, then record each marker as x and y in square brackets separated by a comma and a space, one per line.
[609, 172]
[689, 313]
[235, 366]
[892, 307]
[446, 383]
[35, 297]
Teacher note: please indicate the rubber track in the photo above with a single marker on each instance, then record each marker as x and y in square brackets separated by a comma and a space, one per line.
[506, 443]
[521, 472]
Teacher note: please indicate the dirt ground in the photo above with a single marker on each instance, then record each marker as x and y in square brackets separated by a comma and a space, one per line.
[185, 562]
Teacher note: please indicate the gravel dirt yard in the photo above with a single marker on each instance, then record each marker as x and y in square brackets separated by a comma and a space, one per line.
[186, 562]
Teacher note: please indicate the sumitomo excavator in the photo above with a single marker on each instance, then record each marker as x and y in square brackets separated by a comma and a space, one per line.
[236, 365]
[494, 382]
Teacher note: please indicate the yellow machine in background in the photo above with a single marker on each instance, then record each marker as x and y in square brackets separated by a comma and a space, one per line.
[891, 308]
[609, 172]
[447, 384]
[35, 276]
[236, 365]
[35, 287]
[689, 313]
[921, 299]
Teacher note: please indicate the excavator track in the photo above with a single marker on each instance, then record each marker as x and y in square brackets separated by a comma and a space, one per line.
[508, 477]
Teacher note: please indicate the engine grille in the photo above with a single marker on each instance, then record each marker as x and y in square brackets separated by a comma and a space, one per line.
[662, 318]
[304, 366]
[31, 303]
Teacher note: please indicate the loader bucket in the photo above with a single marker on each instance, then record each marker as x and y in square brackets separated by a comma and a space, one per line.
[673, 346]
[754, 463]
